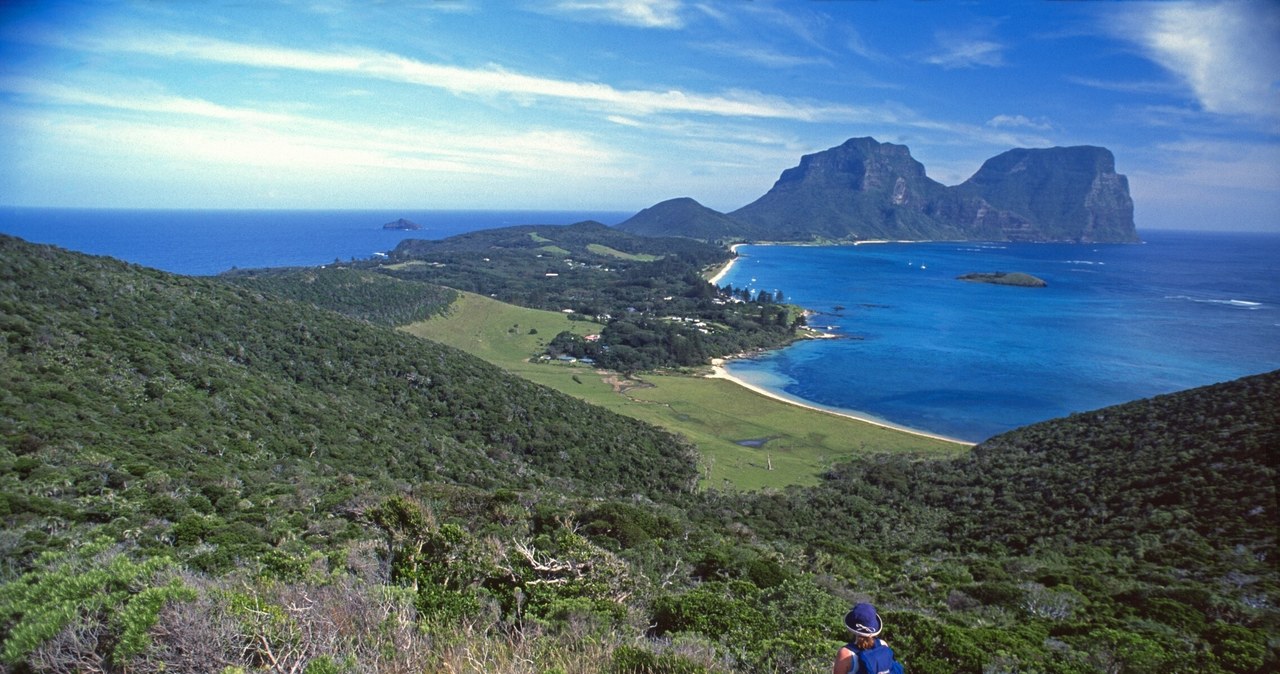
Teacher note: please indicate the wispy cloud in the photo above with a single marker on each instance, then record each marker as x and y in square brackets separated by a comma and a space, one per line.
[491, 80]
[1124, 87]
[1225, 164]
[62, 94]
[1019, 121]
[855, 43]
[807, 27]
[966, 51]
[1225, 52]
[762, 55]
[190, 129]
[638, 13]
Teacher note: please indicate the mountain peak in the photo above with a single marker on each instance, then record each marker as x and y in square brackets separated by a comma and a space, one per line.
[682, 216]
[865, 189]
[858, 190]
[1067, 193]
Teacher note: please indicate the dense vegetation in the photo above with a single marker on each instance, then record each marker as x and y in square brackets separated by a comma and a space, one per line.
[199, 476]
[153, 401]
[376, 298]
[693, 334]
[684, 217]
[1001, 278]
[655, 308]
[1147, 530]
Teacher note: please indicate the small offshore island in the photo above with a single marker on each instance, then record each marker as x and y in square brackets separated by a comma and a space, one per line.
[1001, 278]
[403, 224]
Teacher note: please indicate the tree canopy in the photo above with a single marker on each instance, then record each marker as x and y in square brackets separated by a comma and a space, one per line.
[203, 473]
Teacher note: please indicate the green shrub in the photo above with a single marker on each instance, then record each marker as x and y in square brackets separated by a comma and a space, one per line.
[86, 586]
[1237, 649]
[729, 611]
[635, 660]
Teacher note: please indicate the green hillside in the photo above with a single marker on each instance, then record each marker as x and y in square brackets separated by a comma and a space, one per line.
[201, 476]
[118, 379]
[363, 294]
[648, 293]
[745, 440]
[684, 217]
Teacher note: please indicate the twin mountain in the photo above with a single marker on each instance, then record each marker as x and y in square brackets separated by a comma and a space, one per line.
[867, 190]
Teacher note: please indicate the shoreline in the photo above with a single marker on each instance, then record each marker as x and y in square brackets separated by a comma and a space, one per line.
[718, 371]
[715, 280]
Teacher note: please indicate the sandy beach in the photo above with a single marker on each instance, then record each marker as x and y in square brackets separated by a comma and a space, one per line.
[715, 280]
[719, 372]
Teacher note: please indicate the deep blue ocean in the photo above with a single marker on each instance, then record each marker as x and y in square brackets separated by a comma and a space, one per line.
[923, 350]
[208, 242]
[918, 349]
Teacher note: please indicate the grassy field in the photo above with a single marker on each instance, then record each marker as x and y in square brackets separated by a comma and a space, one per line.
[793, 445]
[600, 249]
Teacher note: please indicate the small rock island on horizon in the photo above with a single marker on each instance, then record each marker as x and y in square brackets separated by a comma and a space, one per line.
[402, 224]
[1001, 278]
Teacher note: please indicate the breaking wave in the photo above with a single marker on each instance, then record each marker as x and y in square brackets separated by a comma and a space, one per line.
[1242, 304]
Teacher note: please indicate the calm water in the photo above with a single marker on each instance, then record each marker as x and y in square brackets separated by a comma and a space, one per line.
[208, 242]
[923, 350]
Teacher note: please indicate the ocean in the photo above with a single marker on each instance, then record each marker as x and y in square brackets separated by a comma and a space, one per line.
[920, 349]
[917, 347]
[204, 242]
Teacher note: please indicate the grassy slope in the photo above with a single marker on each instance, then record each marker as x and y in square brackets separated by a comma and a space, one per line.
[714, 414]
[600, 249]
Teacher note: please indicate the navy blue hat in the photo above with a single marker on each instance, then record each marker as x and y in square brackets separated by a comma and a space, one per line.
[863, 620]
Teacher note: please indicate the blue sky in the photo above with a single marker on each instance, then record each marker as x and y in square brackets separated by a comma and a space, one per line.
[619, 104]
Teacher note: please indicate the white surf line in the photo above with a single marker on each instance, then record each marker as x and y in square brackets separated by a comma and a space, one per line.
[719, 372]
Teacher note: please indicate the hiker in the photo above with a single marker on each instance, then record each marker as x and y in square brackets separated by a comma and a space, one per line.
[865, 654]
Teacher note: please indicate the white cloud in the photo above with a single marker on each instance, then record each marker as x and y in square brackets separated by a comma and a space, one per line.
[1019, 121]
[956, 51]
[639, 13]
[808, 27]
[1124, 87]
[1221, 164]
[1225, 52]
[761, 55]
[855, 43]
[625, 121]
[57, 93]
[197, 131]
[493, 80]
[1208, 185]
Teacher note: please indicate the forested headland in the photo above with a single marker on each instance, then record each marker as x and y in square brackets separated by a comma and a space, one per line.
[214, 474]
[648, 295]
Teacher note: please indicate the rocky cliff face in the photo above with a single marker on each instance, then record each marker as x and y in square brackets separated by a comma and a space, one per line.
[864, 189]
[1061, 193]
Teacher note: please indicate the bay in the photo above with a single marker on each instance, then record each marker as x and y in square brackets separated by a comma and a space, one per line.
[924, 350]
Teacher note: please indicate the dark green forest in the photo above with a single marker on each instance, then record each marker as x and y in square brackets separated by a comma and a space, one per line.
[648, 294]
[212, 474]
[362, 294]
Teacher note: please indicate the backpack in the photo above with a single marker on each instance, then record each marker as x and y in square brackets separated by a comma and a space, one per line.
[875, 660]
